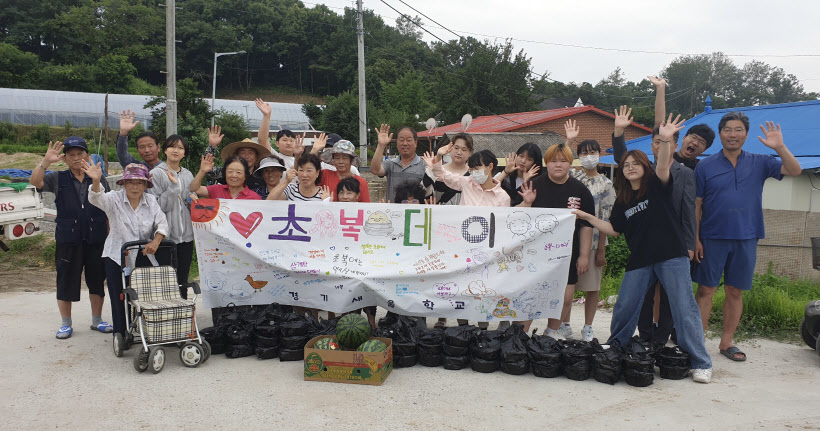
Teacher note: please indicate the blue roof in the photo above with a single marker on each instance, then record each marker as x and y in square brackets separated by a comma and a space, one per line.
[799, 121]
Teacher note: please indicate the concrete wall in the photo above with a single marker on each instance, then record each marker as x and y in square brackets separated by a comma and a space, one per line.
[793, 193]
[788, 244]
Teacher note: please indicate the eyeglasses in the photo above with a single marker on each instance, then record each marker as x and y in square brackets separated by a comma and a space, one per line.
[410, 201]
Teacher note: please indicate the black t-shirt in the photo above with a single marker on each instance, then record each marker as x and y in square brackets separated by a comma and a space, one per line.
[572, 194]
[689, 163]
[651, 226]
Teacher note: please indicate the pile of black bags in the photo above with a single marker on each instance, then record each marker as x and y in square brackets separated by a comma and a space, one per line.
[638, 364]
[431, 347]
[545, 356]
[606, 362]
[456, 346]
[485, 351]
[673, 362]
[514, 358]
[577, 359]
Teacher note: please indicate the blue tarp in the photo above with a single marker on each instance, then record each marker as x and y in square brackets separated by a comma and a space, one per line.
[799, 121]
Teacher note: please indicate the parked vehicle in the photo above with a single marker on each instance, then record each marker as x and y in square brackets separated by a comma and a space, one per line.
[20, 213]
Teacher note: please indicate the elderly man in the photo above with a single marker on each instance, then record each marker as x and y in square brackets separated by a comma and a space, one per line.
[80, 234]
[407, 167]
[729, 213]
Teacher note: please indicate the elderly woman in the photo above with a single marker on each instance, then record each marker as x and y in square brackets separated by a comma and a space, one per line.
[247, 149]
[133, 215]
[271, 170]
[309, 188]
[343, 155]
[234, 175]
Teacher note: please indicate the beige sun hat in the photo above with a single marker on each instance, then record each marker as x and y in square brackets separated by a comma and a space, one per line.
[233, 147]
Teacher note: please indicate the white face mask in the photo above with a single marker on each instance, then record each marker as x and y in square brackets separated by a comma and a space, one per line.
[479, 176]
[589, 162]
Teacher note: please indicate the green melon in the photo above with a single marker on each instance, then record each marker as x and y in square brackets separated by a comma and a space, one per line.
[352, 330]
[372, 346]
[326, 344]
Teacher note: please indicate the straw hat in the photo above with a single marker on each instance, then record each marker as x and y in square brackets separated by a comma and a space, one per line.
[232, 148]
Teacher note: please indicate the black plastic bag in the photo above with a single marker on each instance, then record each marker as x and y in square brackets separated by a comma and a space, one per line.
[430, 356]
[636, 346]
[240, 334]
[577, 359]
[239, 351]
[674, 363]
[387, 321]
[218, 348]
[485, 346]
[513, 349]
[483, 365]
[268, 329]
[253, 315]
[291, 355]
[406, 338]
[606, 363]
[404, 361]
[214, 335]
[267, 352]
[323, 327]
[431, 336]
[294, 343]
[548, 369]
[459, 336]
[516, 368]
[386, 332]
[456, 362]
[267, 342]
[229, 315]
[294, 325]
[455, 350]
[638, 368]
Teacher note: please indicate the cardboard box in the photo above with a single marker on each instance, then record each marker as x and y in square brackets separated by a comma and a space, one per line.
[345, 366]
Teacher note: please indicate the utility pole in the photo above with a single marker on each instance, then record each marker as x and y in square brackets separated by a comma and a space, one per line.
[171, 66]
[362, 96]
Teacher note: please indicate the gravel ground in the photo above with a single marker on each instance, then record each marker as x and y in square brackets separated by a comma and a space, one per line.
[79, 384]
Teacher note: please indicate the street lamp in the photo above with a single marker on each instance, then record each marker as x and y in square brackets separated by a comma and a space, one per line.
[213, 95]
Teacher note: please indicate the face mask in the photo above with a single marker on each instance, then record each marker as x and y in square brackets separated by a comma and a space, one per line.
[479, 176]
[589, 162]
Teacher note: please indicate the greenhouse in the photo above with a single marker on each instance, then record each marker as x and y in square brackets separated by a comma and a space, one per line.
[22, 106]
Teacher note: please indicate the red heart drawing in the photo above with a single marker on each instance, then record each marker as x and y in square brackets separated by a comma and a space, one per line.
[246, 226]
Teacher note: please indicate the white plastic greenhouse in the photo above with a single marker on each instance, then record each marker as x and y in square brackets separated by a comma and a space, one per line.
[33, 107]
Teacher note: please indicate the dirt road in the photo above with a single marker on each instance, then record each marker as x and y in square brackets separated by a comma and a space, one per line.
[79, 384]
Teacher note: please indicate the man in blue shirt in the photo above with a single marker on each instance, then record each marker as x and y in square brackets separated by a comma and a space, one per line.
[729, 213]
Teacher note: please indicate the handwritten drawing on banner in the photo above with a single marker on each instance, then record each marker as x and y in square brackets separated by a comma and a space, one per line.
[477, 263]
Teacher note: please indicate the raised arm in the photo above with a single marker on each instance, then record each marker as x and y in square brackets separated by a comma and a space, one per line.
[278, 192]
[384, 138]
[572, 131]
[667, 135]
[604, 227]
[453, 181]
[774, 140]
[53, 155]
[623, 118]
[205, 166]
[264, 127]
[660, 98]
[127, 124]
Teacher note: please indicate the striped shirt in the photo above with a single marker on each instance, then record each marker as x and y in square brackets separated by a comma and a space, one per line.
[292, 193]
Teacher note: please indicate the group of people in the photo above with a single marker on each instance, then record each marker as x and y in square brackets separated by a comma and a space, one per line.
[683, 220]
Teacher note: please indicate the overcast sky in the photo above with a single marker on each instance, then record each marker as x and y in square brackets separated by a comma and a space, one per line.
[750, 27]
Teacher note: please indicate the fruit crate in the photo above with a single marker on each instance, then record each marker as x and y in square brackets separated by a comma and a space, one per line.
[348, 366]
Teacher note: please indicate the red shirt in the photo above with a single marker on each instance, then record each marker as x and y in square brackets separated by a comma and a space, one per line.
[220, 191]
[331, 179]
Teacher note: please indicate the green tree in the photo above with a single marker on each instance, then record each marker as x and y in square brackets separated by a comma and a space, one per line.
[17, 68]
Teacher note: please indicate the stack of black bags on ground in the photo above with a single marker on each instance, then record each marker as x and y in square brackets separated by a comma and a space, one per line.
[431, 347]
[606, 363]
[514, 357]
[456, 346]
[638, 364]
[576, 358]
[673, 362]
[404, 332]
[267, 331]
[485, 351]
[545, 356]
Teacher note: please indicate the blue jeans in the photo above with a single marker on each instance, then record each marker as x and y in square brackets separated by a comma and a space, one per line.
[674, 276]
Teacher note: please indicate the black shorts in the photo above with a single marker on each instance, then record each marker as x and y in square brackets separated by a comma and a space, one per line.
[70, 261]
[572, 277]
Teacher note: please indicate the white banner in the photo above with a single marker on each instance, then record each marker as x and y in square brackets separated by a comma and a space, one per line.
[476, 263]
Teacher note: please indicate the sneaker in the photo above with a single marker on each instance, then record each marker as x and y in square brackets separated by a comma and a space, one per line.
[587, 334]
[554, 333]
[702, 375]
[103, 327]
[503, 325]
[64, 332]
[565, 331]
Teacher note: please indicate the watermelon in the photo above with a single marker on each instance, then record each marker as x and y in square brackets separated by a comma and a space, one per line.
[352, 330]
[372, 346]
[326, 344]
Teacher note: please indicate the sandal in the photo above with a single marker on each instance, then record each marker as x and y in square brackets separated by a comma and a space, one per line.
[103, 327]
[64, 332]
[731, 353]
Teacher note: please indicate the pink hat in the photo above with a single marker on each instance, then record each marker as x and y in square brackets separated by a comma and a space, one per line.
[136, 171]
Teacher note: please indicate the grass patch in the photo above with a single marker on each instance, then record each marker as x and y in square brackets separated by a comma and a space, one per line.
[772, 309]
[34, 251]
